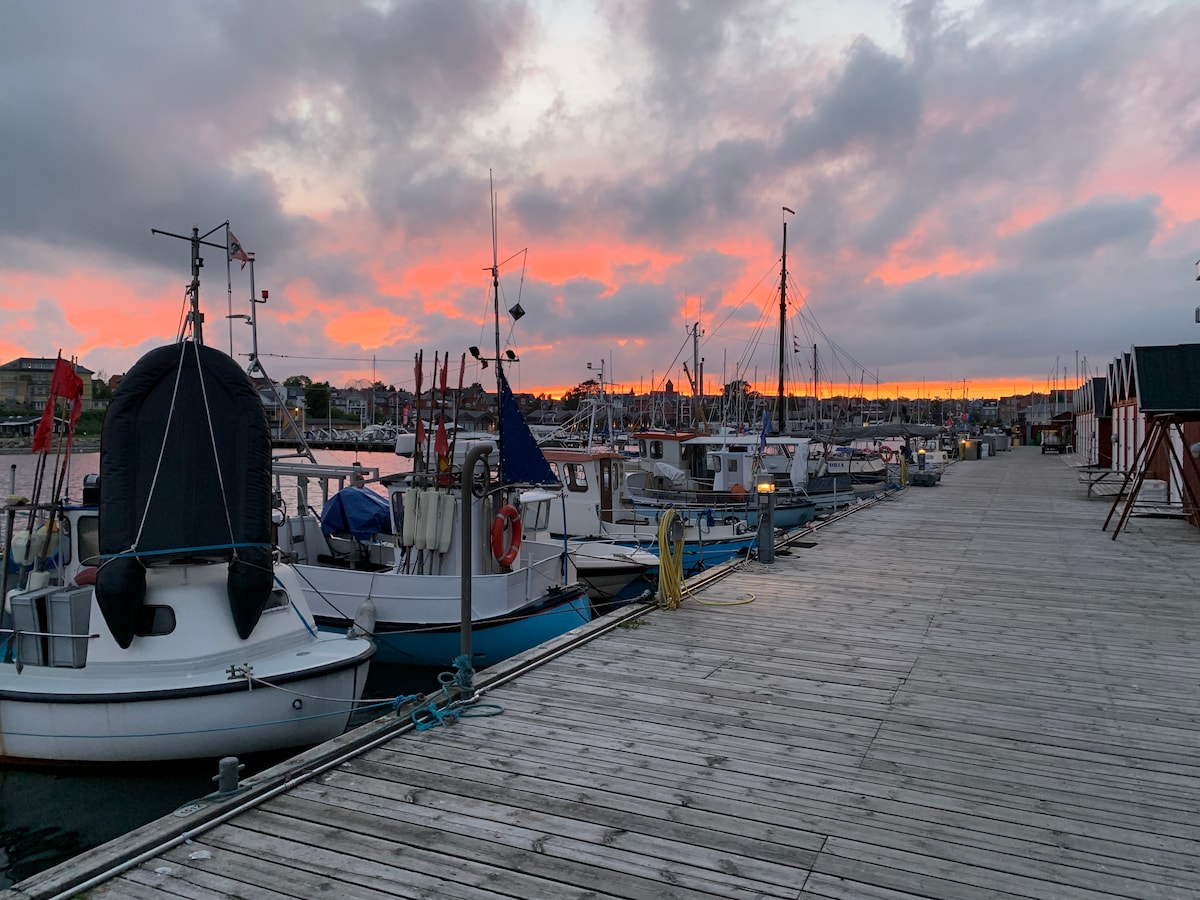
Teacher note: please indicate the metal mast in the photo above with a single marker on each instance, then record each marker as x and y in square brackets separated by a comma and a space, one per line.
[781, 399]
[195, 317]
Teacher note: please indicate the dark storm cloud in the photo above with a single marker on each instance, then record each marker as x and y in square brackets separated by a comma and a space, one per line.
[873, 99]
[543, 210]
[580, 312]
[1085, 230]
[691, 46]
[963, 127]
[670, 204]
[113, 129]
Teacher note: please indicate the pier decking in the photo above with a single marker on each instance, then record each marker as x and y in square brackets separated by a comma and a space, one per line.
[969, 691]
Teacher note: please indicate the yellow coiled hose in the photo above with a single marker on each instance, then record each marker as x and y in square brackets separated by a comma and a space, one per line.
[670, 561]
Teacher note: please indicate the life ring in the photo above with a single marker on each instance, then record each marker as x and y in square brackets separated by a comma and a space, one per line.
[507, 520]
[886, 453]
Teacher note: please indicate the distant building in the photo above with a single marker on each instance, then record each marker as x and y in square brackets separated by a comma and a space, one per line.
[25, 383]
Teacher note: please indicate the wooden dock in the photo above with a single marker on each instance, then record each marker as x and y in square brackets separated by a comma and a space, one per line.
[969, 691]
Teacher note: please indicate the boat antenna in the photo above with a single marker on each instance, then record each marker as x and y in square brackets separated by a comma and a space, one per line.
[195, 317]
[496, 319]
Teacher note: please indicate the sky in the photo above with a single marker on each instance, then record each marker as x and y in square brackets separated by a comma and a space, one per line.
[980, 198]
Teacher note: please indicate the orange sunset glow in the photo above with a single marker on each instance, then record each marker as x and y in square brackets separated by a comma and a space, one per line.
[957, 219]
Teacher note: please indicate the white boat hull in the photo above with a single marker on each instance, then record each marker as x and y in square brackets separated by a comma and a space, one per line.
[85, 700]
[194, 722]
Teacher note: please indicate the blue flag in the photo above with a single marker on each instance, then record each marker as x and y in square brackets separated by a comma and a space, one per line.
[766, 429]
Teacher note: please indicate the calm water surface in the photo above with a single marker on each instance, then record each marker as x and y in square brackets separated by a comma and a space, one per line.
[48, 815]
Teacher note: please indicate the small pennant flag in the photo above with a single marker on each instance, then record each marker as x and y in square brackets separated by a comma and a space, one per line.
[236, 251]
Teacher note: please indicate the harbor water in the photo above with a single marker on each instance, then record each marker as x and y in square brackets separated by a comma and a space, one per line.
[48, 815]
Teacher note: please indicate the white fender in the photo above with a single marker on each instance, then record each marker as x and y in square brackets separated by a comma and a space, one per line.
[445, 522]
[411, 510]
[433, 511]
[22, 548]
[422, 524]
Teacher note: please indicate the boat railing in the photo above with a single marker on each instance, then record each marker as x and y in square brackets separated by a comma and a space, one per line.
[328, 479]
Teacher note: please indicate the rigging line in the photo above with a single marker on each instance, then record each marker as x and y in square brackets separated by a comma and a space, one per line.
[760, 329]
[336, 358]
[162, 447]
[212, 437]
[187, 293]
[807, 309]
[713, 331]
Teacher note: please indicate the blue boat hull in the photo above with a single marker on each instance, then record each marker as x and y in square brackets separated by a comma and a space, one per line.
[492, 641]
[700, 556]
[788, 513]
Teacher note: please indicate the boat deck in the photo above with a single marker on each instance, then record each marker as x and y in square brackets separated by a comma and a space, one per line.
[969, 691]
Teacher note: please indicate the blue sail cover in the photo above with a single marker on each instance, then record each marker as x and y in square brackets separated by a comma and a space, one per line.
[524, 462]
[357, 511]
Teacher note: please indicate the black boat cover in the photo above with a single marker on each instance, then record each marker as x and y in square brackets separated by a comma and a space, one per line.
[185, 473]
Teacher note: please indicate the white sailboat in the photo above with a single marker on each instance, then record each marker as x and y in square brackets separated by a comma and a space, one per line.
[151, 622]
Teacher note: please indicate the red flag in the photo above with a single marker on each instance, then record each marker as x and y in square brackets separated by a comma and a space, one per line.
[462, 370]
[417, 375]
[445, 372]
[420, 432]
[236, 251]
[67, 385]
[441, 446]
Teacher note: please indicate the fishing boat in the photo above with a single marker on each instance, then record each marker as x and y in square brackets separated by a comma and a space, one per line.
[720, 473]
[448, 555]
[598, 506]
[404, 559]
[147, 619]
[607, 567]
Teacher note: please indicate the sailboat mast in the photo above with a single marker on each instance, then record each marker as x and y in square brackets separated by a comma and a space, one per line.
[781, 401]
[816, 398]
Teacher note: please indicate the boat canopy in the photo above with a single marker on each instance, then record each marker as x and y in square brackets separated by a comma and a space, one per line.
[878, 433]
[357, 511]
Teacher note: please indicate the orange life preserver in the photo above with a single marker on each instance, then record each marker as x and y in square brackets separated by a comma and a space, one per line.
[507, 519]
[886, 453]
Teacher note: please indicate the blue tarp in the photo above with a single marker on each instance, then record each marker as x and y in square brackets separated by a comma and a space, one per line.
[357, 511]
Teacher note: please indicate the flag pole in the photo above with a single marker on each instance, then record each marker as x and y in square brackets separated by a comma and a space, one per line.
[229, 284]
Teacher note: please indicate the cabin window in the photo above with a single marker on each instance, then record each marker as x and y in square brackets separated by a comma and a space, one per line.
[656, 449]
[576, 477]
[536, 516]
[89, 540]
[605, 479]
[278, 599]
[733, 465]
[155, 620]
[642, 447]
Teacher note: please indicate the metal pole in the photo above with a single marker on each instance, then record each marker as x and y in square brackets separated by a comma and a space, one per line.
[468, 545]
[10, 519]
[254, 301]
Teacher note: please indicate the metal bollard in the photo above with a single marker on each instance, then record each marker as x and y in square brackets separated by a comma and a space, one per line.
[226, 778]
